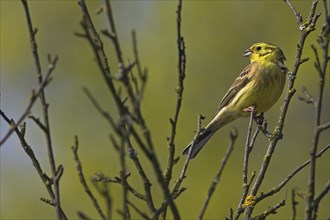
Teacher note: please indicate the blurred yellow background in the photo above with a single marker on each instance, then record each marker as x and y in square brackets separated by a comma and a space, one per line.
[216, 33]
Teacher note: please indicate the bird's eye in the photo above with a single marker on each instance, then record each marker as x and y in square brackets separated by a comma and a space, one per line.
[258, 48]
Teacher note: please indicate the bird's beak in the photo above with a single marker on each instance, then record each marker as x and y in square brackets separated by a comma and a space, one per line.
[247, 53]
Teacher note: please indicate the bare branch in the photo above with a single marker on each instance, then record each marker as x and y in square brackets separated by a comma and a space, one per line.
[186, 163]
[321, 63]
[271, 210]
[292, 174]
[294, 204]
[98, 177]
[34, 97]
[83, 179]
[141, 213]
[307, 97]
[179, 90]
[248, 148]
[55, 175]
[318, 199]
[216, 180]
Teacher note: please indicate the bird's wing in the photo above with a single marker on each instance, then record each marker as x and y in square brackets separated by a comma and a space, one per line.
[243, 78]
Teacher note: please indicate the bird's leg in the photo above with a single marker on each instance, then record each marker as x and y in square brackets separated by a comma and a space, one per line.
[262, 125]
[260, 119]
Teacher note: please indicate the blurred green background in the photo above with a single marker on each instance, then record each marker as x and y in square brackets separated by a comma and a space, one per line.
[216, 33]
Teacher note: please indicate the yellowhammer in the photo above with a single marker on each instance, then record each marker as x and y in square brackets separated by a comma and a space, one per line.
[259, 85]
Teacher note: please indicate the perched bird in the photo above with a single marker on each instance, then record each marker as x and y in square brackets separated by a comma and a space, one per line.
[258, 86]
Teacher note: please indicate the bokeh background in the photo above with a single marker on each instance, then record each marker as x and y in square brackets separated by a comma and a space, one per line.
[216, 33]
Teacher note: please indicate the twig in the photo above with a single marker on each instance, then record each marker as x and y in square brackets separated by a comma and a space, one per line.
[179, 90]
[35, 95]
[216, 180]
[176, 188]
[108, 200]
[83, 216]
[141, 213]
[254, 137]
[271, 210]
[102, 112]
[186, 163]
[321, 68]
[123, 70]
[248, 149]
[29, 151]
[289, 177]
[100, 177]
[307, 97]
[324, 126]
[146, 182]
[51, 157]
[83, 180]
[96, 43]
[142, 74]
[124, 175]
[294, 204]
[318, 199]
[243, 201]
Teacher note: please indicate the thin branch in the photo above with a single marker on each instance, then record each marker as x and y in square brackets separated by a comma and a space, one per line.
[51, 157]
[289, 177]
[318, 199]
[146, 182]
[141, 213]
[242, 203]
[35, 95]
[248, 149]
[123, 70]
[124, 175]
[176, 190]
[83, 216]
[298, 15]
[179, 90]
[307, 97]
[141, 73]
[98, 177]
[83, 180]
[321, 68]
[96, 43]
[324, 126]
[108, 200]
[47, 181]
[216, 180]
[186, 163]
[102, 112]
[271, 210]
[294, 204]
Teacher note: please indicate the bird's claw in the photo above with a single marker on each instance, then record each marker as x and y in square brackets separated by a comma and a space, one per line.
[249, 109]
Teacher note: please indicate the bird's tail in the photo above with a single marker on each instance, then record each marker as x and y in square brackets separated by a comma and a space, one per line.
[200, 141]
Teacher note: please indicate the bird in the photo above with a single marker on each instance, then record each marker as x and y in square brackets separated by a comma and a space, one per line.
[257, 88]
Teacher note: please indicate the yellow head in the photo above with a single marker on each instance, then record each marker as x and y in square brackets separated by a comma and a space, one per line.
[264, 52]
